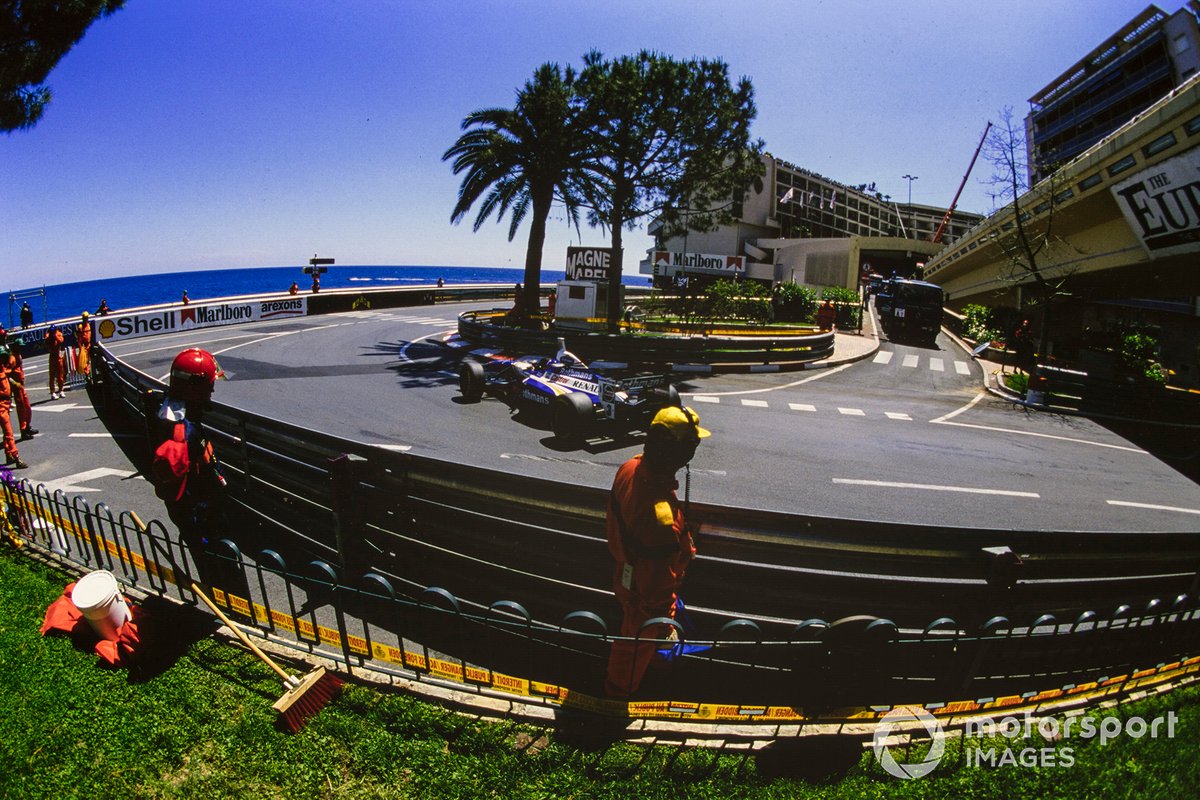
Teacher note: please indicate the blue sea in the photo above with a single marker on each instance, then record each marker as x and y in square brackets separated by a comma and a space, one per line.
[66, 300]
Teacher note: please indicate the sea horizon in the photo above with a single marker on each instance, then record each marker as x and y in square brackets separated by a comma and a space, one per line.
[63, 301]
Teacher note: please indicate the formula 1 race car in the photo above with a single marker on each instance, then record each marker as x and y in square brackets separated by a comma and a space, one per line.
[574, 395]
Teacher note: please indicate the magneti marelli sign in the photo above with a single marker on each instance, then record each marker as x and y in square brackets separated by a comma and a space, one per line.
[588, 263]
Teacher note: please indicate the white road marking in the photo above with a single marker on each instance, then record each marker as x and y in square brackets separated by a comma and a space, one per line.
[1152, 507]
[105, 436]
[910, 361]
[64, 407]
[802, 407]
[399, 448]
[898, 415]
[961, 368]
[937, 365]
[70, 483]
[934, 487]
[852, 412]
[883, 356]
[945, 420]
[825, 373]
[961, 409]
[754, 403]
[704, 398]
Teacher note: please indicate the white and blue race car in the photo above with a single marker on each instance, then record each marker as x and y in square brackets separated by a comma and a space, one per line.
[573, 395]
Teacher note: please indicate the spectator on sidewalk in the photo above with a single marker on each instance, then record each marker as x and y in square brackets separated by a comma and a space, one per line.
[826, 314]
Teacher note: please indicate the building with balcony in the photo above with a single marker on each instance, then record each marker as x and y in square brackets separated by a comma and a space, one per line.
[1152, 54]
[802, 227]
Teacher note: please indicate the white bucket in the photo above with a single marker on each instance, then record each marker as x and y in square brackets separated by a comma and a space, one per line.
[99, 599]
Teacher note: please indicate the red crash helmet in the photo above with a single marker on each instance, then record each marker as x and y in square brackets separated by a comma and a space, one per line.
[193, 373]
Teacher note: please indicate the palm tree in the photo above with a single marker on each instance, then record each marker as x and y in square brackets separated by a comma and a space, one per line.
[519, 158]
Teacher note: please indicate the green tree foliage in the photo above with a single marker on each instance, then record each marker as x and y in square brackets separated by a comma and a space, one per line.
[34, 36]
[839, 294]
[520, 160]
[1139, 354]
[794, 303]
[665, 138]
[979, 324]
[740, 300]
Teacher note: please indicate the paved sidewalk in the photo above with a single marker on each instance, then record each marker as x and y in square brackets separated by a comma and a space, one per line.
[852, 346]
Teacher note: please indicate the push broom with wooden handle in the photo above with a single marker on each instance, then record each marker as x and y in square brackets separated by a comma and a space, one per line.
[305, 696]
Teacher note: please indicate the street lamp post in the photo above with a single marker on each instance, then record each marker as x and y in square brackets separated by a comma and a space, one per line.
[912, 216]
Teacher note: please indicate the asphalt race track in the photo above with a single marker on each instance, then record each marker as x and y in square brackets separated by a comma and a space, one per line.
[905, 435]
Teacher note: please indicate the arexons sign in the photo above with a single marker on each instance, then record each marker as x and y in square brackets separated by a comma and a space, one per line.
[200, 315]
[1162, 205]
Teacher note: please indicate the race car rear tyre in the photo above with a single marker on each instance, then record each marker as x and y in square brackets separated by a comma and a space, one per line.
[471, 381]
[570, 415]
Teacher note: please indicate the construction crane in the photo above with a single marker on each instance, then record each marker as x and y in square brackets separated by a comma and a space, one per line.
[937, 237]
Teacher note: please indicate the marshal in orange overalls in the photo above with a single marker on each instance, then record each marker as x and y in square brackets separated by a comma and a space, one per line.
[58, 361]
[83, 346]
[651, 548]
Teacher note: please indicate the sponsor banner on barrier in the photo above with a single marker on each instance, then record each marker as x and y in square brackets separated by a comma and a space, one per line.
[198, 315]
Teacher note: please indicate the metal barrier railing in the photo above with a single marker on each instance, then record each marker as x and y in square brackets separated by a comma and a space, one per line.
[848, 671]
[764, 584]
[796, 612]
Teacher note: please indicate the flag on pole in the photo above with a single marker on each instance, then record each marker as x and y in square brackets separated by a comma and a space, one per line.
[787, 196]
[833, 201]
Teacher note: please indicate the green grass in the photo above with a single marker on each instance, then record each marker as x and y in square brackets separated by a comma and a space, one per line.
[202, 726]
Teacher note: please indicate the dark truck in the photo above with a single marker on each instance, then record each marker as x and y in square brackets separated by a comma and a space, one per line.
[909, 309]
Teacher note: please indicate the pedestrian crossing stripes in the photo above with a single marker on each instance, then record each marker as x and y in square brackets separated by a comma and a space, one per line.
[913, 361]
[807, 408]
[411, 320]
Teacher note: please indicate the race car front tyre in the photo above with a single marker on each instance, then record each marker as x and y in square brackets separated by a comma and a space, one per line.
[570, 415]
[471, 381]
[668, 395]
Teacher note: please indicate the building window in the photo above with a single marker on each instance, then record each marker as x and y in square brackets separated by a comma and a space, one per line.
[1122, 165]
[1192, 126]
[1089, 182]
[1159, 144]
[1042, 207]
[1064, 195]
[1182, 44]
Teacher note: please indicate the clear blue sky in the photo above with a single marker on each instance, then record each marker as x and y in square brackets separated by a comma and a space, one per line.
[198, 134]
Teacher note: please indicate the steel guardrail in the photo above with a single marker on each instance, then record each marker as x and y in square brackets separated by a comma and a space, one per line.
[454, 537]
[845, 672]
